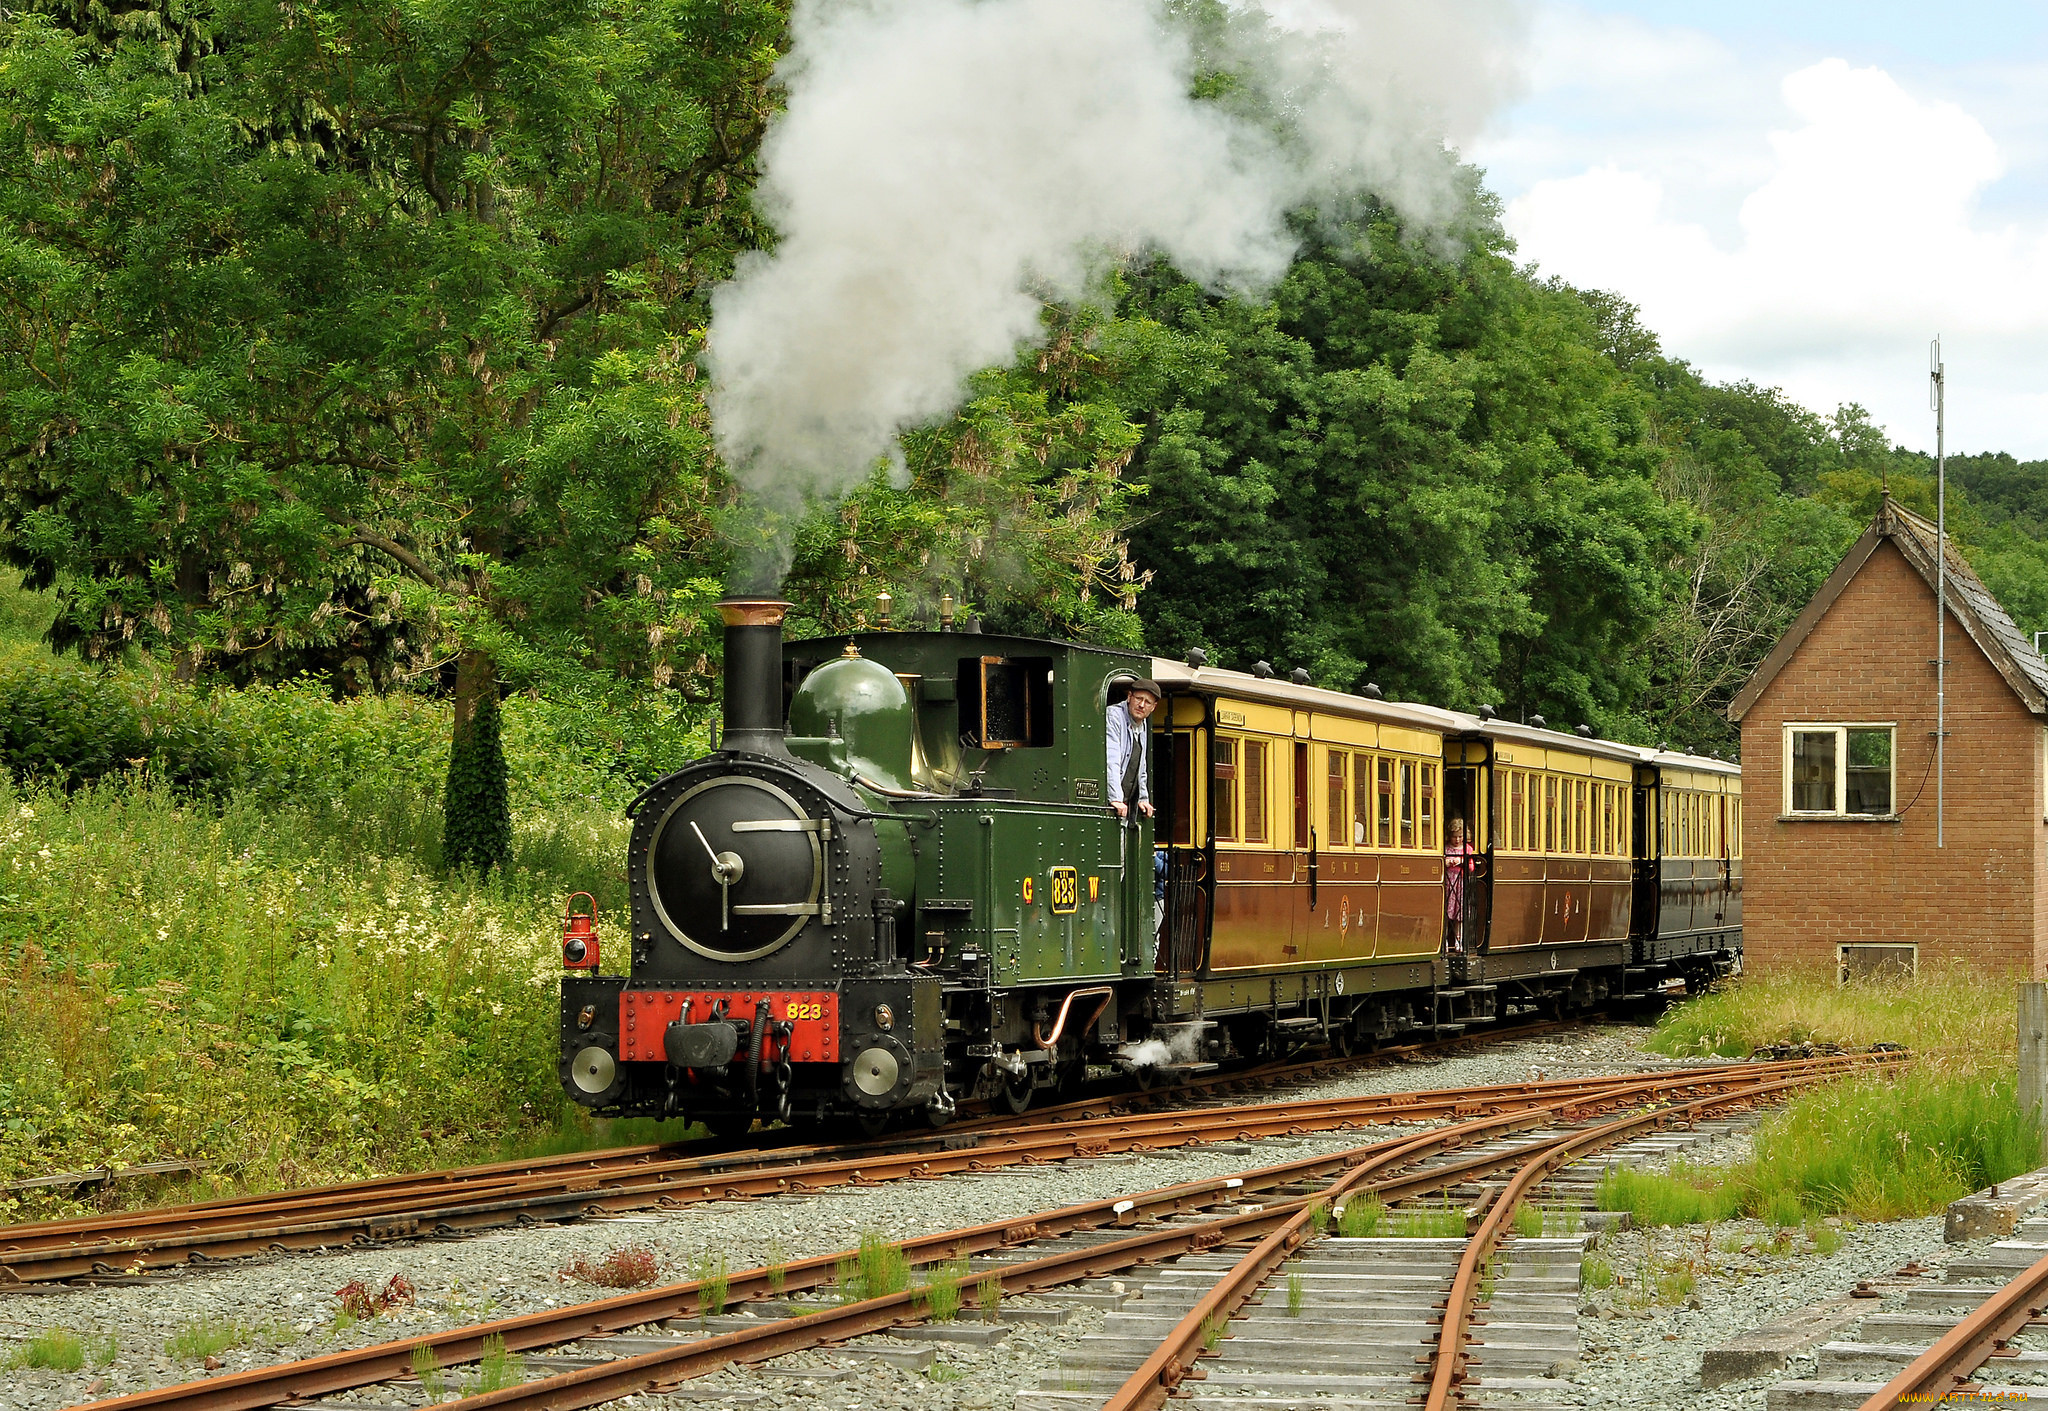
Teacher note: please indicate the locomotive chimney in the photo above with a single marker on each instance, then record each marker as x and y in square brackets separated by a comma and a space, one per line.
[753, 675]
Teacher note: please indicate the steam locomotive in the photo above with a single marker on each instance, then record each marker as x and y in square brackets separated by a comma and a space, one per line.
[896, 886]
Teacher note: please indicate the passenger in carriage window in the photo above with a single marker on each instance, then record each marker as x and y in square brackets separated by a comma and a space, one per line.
[1462, 861]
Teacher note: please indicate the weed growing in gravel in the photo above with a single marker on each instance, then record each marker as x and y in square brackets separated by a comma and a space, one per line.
[59, 1349]
[708, 1271]
[1319, 1219]
[1826, 1238]
[496, 1369]
[1528, 1221]
[628, 1267]
[988, 1296]
[1361, 1219]
[1682, 1196]
[883, 1269]
[359, 1304]
[1297, 1295]
[940, 1293]
[1213, 1328]
[427, 1367]
[778, 1267]
[1674, 1285]
[846, 1279]
[940, 1372]
[1442, 1221]
[1595, 1273]
[208, 1337]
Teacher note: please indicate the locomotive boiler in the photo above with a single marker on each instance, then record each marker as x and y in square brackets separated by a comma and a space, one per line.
[896, 885]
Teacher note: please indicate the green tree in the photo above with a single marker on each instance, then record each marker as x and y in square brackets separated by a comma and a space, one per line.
[350, 331]
[1416, 469]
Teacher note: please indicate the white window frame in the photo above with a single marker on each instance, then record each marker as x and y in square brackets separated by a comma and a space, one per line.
[1840, 729]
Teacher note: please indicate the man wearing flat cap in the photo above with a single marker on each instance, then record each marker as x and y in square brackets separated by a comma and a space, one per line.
[1130, 748]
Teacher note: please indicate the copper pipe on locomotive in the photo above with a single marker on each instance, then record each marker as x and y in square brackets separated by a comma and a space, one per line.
[1059, 1027]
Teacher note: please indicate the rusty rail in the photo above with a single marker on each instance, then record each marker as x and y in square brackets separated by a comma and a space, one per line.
[1947, 1367]
[158, 1239]
[340, 1371]
[1149, 1386]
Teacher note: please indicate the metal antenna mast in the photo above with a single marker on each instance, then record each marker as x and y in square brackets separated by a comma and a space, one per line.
[1939, 396]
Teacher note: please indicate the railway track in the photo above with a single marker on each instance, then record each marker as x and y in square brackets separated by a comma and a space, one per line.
[460, 1201]
[1961, 1341]
[659, 1338]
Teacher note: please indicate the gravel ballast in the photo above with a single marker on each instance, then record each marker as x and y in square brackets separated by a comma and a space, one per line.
[288, 1302]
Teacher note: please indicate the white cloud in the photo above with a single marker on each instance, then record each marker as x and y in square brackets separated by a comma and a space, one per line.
[1859, 237]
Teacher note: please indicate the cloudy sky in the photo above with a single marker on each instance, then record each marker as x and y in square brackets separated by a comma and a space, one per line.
[1803, 194]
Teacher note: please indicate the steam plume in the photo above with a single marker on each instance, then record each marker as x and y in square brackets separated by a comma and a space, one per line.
[944, 164]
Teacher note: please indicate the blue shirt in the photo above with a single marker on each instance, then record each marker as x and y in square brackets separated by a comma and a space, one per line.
[1126, 735]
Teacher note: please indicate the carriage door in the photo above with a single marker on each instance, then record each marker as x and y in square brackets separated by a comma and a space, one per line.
[1182, 829]
[1642, 841]
[1465, 801]
[1721, 837]
[1307, 860]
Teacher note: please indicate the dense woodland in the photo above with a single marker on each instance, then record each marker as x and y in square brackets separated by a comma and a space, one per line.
[360, 341]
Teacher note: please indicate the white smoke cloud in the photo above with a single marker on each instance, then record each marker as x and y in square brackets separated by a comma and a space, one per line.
[943, 165]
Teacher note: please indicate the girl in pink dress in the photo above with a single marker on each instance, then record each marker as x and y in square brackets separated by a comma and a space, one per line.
[1461, 860]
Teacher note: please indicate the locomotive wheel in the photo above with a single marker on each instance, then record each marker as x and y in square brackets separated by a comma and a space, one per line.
[874, 1124]
[1340, 1041]
[1147, 1076]
[1016, 1094]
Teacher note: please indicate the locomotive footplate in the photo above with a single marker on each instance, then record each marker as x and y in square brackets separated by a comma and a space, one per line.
[711, 1024]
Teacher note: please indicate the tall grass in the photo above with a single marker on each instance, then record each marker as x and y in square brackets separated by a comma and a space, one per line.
[1883, 1148]
[1876, 1147]
[226, 935]
[1947, 1013]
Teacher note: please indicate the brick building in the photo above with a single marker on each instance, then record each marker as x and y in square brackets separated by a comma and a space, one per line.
[1841, 870]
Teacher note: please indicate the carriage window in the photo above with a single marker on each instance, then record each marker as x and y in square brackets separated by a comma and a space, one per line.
[1427, 809]
[1386, 813]
[1606, 820]
[1839, 770]
[1182, 762]
[1255, 791]
[1688, 818]
[1338, 832]
[1361, 798]
[1549, 813]
[1224, 791]
[1578, 839]
[1515, 832]
[1407, 803]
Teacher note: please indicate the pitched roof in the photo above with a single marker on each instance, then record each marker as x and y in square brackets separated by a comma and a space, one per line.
[2008, 649]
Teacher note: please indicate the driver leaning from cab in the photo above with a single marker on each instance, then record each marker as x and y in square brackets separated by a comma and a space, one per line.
[1130, 749]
